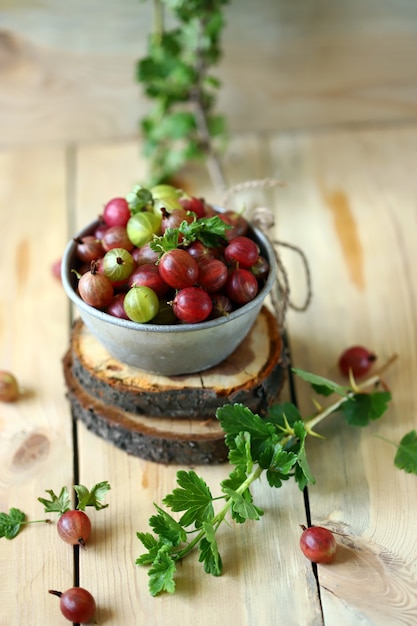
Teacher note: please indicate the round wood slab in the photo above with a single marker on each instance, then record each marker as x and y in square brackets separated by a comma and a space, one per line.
[171, 419]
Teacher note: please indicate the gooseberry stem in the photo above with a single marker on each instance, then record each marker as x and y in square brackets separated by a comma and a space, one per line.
[370, 382]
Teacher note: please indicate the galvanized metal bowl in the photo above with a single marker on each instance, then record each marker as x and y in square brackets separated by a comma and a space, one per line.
[169, 350]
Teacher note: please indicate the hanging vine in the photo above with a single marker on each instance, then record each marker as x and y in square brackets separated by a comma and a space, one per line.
[176, 74]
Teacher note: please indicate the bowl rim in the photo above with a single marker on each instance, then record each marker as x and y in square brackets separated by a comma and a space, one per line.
[164, 328]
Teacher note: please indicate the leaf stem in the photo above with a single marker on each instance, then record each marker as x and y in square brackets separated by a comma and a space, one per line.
[219, 517]
[372, 381]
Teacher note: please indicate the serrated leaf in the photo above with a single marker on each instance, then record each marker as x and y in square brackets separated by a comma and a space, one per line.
[362, 408]
[280, 465]
[10, 523]
[321, 385]
[93, 497]
[167, 528]
[192, 496]
[240, 454]
[152, 545]
[211, 231]
[56, 504]
[242, 506]
[161, 573]
[166, 242]
[406, 456]
[281, 413]
[237, 418]
[209, 552]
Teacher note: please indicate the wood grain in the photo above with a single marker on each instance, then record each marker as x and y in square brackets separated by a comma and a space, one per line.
[35, 432]
[67, 74]
[345, 192]
[370, 300]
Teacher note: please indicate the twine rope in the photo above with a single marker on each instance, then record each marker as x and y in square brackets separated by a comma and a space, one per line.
[263, 219]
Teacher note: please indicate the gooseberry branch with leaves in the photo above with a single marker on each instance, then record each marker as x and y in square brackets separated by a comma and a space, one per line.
[272, 446]
[176, 75]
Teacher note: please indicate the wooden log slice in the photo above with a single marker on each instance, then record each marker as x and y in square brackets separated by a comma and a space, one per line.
[171, 419]
[162, 440]
[253, 375]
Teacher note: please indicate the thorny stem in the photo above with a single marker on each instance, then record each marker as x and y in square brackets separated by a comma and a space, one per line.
[370, 382]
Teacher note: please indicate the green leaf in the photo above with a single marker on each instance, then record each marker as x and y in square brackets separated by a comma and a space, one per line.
[321, 385]
[209, 552]
[406, 456]
[279, 414]
[56, 504]
[279, 466]
[92, 498]
[236, 418]
[241, 505]
[175, 126]
[139, 199]
[192, 496]
[10, 523]
[152, 545]
[161, 573]
[211, 231]
[240, 454]
[233, 482]
[168, 529]
[303, 474]
[361, 408]
[166, 242]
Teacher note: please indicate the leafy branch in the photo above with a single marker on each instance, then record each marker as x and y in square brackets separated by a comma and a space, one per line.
[61, 503]
[176, 75]
[273, 446]
[12, 522]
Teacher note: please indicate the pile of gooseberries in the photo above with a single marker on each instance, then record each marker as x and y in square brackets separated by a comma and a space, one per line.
[130, 268]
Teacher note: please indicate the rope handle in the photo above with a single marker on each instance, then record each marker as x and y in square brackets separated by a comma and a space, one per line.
[263, 219]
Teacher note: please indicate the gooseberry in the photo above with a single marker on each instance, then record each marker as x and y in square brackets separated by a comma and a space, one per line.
[318, 544]
[95, 288]
[141, 304]
[118, 265]
[243, 251]
[77, 604]
[241, 286]
[192, 305]
[116, 212]
[178, 268]
[9, 388]
[356, 359]
[142, 226]
[74, 527]
[116, 237]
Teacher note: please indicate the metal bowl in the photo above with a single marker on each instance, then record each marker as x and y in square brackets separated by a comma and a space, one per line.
[169, 350]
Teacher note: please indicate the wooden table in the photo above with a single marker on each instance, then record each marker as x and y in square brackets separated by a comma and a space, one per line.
[350, 203]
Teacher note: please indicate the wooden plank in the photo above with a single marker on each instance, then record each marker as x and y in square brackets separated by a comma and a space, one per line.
[35, 435]
[286, 65]
[350, 205]
[264, 582]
